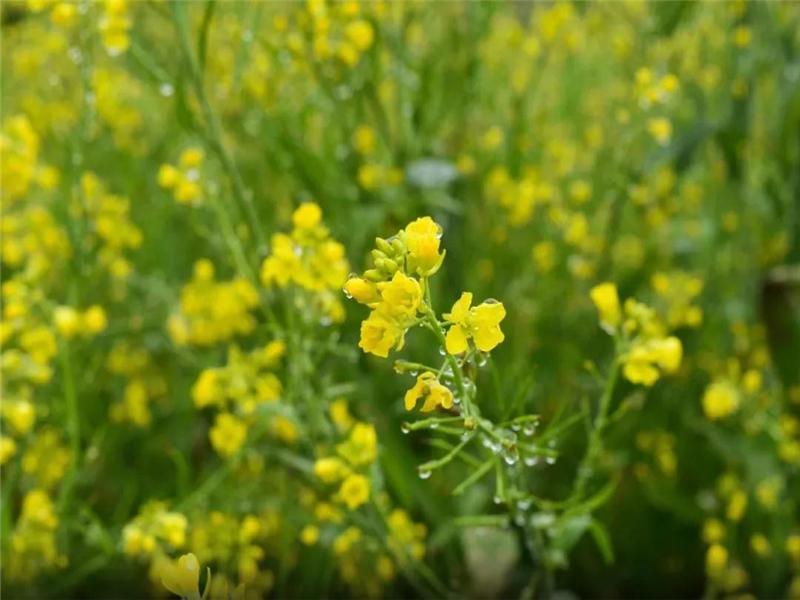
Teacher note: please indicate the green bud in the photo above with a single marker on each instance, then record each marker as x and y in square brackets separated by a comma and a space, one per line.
[377, 255]
[373, 275]
[383, 246]
[399, 247]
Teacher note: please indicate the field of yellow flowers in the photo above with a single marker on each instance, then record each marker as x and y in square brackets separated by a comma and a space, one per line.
[380, 299]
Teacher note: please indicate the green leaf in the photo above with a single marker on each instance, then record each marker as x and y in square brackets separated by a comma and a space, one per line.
[603, 540]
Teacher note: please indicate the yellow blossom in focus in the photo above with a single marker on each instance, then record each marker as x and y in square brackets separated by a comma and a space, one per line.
[480, 323]
[428, 387]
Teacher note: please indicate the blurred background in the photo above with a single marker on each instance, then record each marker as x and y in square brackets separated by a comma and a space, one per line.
[162, 395]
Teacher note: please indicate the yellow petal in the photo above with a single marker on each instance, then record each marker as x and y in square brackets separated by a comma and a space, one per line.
[486, 338]
[460, 309]
[456, 341]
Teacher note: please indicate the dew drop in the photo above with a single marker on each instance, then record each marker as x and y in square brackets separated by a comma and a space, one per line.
[550, 460]
[404, 427]
[166, 90]
[497, 499]
[424, 474]
[530, 461]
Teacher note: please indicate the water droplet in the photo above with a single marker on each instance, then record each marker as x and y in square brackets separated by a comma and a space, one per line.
[413, 372]
[510, 458]
[529, 430]
[481, 359]
[497, 499]
[530, 461]
[424, 474]
[442, 351]
[405, 428]
[515, 426]
[75, 55]
[166, 89]
[523, 505]
[550, 460]
[434, 425]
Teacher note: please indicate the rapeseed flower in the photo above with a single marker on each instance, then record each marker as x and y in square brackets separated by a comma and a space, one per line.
[480, 323]
[429, 388]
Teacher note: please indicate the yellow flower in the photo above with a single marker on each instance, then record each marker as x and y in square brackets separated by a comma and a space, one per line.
[380, 333]
[67, 321]
[760, 545]
[309, 535]
[307, 216]
[736, 506]
[361, 447]
[422, 238]
[645, 361]
[354, 491]
[481, 323]
[428, 387]
[331, 469]
[228, 434]
[361, 290]
[401, 296]
[716, 560]
[713, 531]
[606, 299]
[360, 34]
[661, 130]
[8, 447]
[95, 319]
[364, 139]
[720, 400]
[183, 578]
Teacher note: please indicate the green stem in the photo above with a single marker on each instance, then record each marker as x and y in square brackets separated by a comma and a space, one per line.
[436, 328]
[214, 129]
[595, 444]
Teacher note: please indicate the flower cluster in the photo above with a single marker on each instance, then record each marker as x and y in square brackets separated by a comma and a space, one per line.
[183, 180]
[310, 259]
[346, 468]
[113, 232]
[33, 541]
[213, 311]
[647, 352]
[155, 530]
[237, 390]
[143, 383]
[393, 288]
[114, 26]
[339, 32]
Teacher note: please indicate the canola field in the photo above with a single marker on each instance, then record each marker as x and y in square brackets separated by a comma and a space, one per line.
[395, 299]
